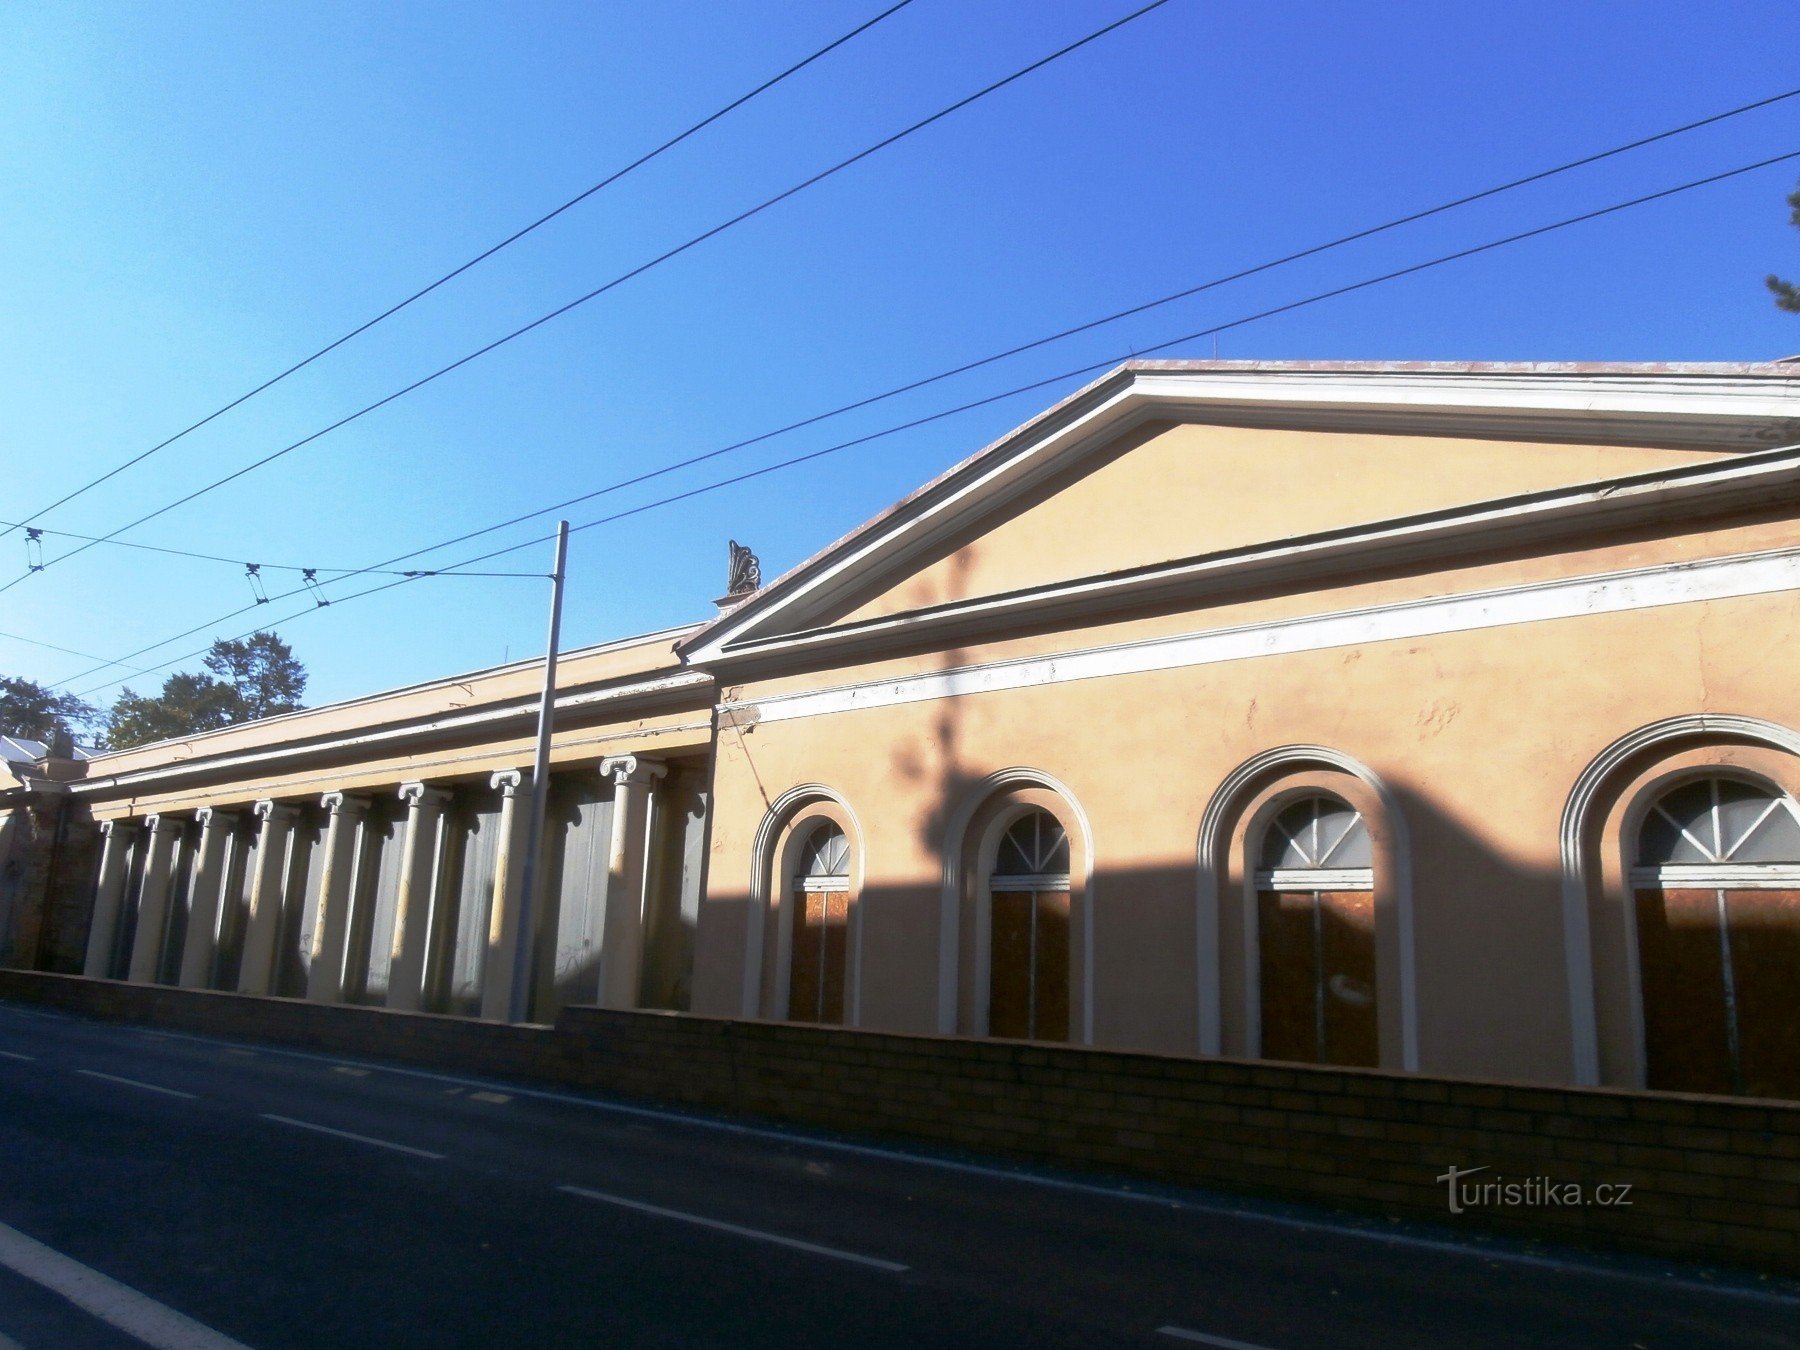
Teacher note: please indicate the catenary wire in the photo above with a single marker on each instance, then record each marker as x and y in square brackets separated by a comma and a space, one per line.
[1060, 378]
[478, 259]
[1116, 316]
[619, 280]
[1088, 326]
[235, 562]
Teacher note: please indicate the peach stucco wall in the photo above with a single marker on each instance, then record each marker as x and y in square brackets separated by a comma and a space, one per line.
[1479, 735]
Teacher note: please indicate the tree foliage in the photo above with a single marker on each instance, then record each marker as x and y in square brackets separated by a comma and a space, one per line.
[255, 677]
[34, 711]
[1787, 293]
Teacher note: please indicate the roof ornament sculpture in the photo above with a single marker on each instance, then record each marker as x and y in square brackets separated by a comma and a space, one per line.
[746, 571]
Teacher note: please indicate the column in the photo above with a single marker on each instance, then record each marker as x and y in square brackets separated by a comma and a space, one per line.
[160, 834]
[416, 908]
[331, 930]
[268, 891]
[205, 897]
[503, 914]
[109, 897]
[622, 933]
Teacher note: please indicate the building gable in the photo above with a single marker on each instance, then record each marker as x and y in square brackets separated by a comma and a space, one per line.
[1165, 468]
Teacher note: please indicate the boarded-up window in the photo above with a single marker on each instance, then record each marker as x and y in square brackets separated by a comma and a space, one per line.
[1028, 931]
[1717, 900]
[577, 837]
[821, 917]
[1315, 893]
[380, 854]
[458, 941]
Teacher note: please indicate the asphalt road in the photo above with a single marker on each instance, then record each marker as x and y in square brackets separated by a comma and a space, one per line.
[250, 1194]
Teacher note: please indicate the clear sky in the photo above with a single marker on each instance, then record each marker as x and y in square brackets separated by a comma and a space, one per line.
[196, 195]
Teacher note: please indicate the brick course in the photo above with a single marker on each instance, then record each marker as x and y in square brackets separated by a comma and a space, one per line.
[1712, 1179]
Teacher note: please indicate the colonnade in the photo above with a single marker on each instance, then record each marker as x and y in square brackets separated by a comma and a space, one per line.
[144, 863]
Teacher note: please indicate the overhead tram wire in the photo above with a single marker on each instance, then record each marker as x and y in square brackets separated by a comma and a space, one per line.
[240, 562]
[619, 280]
[69, 651]
[1061, 378]
[1090, 325]
[477, 260]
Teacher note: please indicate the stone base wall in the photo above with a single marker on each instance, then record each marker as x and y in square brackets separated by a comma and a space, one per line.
[1710, 1180]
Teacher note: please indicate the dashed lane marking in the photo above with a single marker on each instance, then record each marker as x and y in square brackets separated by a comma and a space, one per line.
[139, 1083]
[350, 1070]
[14, 1054]
[738, 1230]
[1201, 1338]
[100, 1296]
[357, 1138]
[498, 1098]
[1572, 1265]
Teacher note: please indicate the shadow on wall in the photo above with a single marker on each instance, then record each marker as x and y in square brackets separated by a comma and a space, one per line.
[1488, 985]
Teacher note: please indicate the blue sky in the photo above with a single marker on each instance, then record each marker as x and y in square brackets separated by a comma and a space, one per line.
[199, 194]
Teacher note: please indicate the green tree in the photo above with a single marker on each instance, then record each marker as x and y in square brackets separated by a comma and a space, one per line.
[33, 711]
[248, 679]
[262, 672]
[1787, 294]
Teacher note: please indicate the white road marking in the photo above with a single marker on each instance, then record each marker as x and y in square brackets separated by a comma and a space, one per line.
[350, 1069]
[1662, 1279]
[497, 1098]
[138, 1083]
[14, 1054]
[115, 1304]
[358, 1138]
[719, 1225]
[1201, 1338]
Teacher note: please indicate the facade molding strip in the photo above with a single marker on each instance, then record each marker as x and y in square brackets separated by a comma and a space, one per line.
[1761, 573]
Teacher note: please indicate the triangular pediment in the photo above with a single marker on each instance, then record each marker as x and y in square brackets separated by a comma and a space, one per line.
[1157, 466]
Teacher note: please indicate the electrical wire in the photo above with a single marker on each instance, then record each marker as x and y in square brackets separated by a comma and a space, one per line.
[619, 280]
[1060, 378]
[1090, 325]
[235, 562]
[478, 259]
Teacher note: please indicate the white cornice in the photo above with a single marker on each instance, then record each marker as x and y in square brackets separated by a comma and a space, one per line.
[390, 739]
[1702, 407]
[373, 701]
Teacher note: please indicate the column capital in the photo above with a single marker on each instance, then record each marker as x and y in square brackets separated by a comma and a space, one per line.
[208, 815]
[622, 769]
[163, 824]
[123, 828]
[274, 812]
[511, 781]
[344, 803]
[419, 795]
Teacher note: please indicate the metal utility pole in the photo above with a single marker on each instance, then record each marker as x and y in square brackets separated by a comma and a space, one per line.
[525, 950]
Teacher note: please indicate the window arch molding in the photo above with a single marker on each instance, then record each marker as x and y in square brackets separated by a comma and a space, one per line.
[970, 844]
[1240, 811]
[781, 837]
[1601, 819]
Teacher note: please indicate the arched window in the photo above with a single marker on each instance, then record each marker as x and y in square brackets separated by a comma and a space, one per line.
[1717, 888]
[1315, 885]
[821, 909]
[1028, 985]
